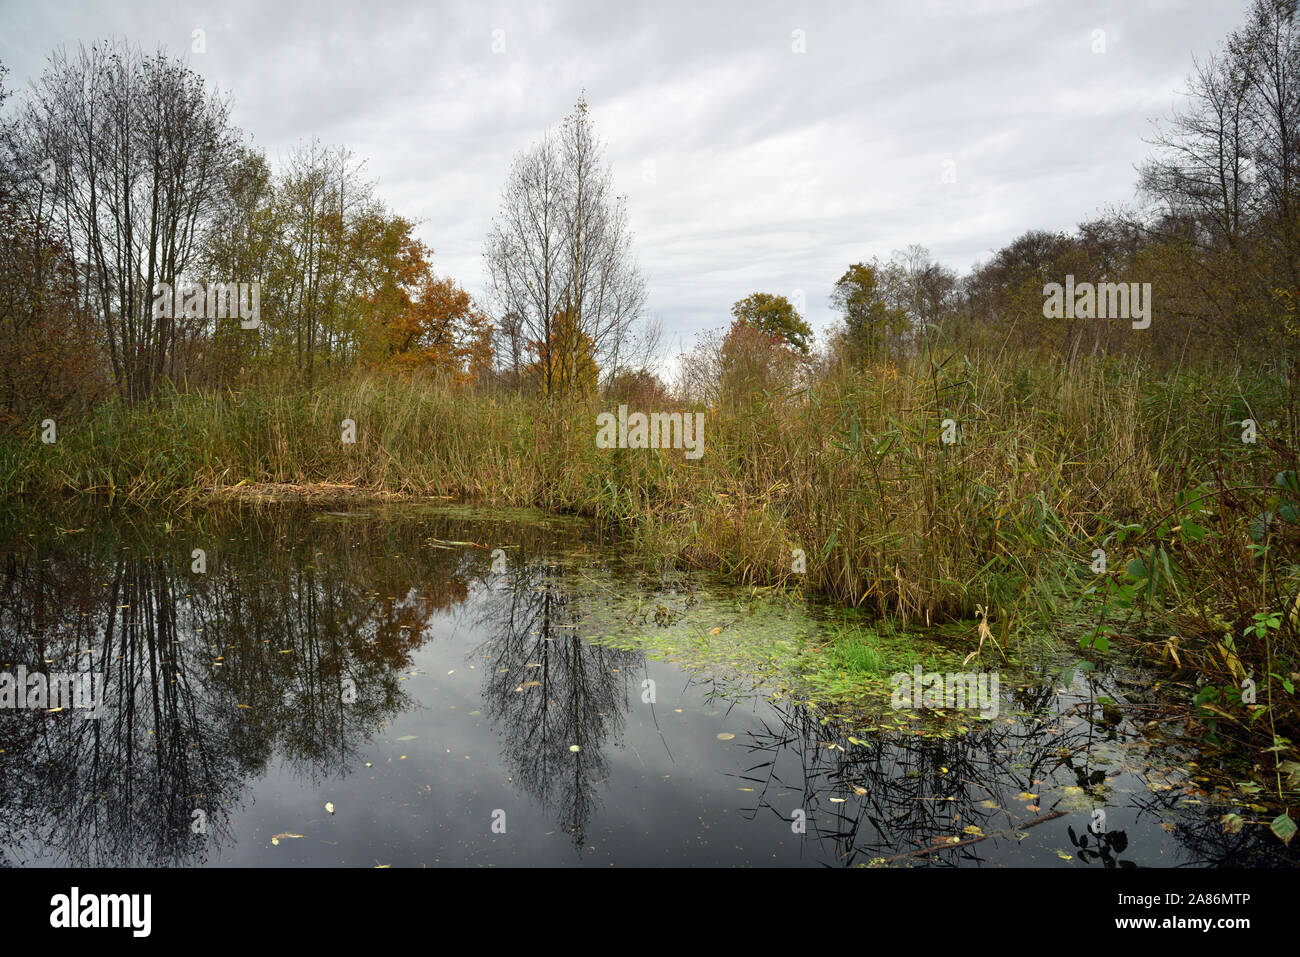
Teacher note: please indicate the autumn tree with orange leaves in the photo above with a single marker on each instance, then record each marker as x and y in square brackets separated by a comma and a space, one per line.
[420, 320]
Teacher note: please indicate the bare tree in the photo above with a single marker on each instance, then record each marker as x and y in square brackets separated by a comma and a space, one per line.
[921, 287]
[1201, 168]
[561, 245]
[140, 152]
[1266, 55]
[1224, 182]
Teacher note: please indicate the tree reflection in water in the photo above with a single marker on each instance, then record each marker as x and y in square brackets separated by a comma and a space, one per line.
[277, 650]
[550, 691]
[290, 653]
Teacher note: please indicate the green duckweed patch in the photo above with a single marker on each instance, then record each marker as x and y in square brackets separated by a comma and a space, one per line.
[841, 666]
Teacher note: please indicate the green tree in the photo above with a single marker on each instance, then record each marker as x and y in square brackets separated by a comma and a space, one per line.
[775, 316]
[871, 317]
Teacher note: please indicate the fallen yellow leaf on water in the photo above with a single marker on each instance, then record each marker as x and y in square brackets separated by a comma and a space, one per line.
[859, 791]
[243, 706]
[973, 829]
[725, 735]
[1026, 796]
[1064, 856]
[838, 800]
[574, 747]
[329, 807]
[286, 834]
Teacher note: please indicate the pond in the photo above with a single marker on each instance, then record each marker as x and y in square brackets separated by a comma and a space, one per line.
[415, 685]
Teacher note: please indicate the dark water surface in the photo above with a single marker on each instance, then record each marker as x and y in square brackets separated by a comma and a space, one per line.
[373, 661]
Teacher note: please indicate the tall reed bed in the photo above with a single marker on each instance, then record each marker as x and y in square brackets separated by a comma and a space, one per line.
[919, 490]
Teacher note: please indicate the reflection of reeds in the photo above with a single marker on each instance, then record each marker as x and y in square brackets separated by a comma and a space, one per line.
[911, 800]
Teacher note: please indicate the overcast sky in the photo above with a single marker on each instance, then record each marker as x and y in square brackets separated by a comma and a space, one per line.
[748, 166]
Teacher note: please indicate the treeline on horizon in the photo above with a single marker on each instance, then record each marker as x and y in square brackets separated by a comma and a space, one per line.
[121, 171]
